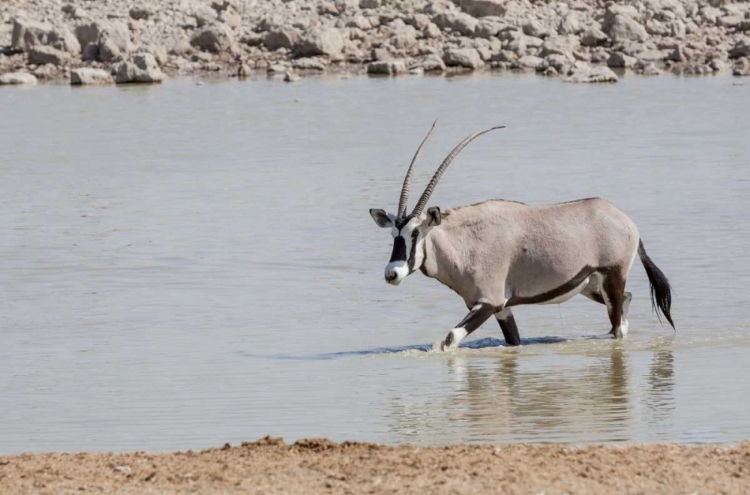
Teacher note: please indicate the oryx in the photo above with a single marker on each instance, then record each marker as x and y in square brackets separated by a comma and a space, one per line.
[499, 254]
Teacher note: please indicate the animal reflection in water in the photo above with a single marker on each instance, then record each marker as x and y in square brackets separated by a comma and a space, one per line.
[508, 397]
[499, 254]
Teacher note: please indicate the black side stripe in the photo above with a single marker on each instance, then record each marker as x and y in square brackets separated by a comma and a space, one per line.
[412, 254]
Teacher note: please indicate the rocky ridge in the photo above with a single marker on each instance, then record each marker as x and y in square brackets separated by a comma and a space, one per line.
[579, 40]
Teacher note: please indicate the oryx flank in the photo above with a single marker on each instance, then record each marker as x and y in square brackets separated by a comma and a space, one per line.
[499, 254]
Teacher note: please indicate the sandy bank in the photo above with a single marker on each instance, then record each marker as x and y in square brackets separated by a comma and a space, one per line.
[320, 466]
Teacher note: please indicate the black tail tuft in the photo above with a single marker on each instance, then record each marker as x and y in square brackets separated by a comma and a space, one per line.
[661, 291]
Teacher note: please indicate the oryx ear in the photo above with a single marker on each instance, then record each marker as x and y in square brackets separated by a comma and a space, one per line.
[381, 218]
[433, 216]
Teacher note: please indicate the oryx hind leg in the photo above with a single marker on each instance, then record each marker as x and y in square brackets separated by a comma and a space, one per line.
[613, 292]
[508, 326]
[606, 289]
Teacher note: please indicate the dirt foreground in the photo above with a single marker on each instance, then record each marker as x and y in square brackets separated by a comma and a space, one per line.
[321, 466]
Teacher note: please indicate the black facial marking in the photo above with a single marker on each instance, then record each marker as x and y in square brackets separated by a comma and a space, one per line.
[412, 254]
[399, 249]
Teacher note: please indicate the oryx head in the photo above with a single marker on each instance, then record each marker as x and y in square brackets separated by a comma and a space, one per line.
[409, 230]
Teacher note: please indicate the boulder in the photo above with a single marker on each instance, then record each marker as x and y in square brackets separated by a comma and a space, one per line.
[390, 67]
[114, 42]
[594, 36]
[216, 38]
[369, 4]
[463, 57]
[559, 46]
[88, 76]
[140, 13]
[489, 27]
[730, 21]
[646, 68]
[309, 64]
[614, 10]
[204, 15]
[432, 63]
[623, 28]
[742, 67]
[141, 68]
[27, 34]
[322, 41]
[536, 29]
[41, 55]
[159, 53]
[620, 60]
[456, 21]
[530, 62]
[63, 39]
[103, 40]
[418, 21]
[359, 22]
[569, 24]
[431, 31]
[403, 40]
[291, 77]
[230, 17]
[582, 72]
[286, 37]
[17, 78]
[741, 49]
[560, 63]
[676, 7]
[483, 8]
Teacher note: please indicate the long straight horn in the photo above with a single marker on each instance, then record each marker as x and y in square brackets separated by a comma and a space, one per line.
[407, 180]
[436, 178]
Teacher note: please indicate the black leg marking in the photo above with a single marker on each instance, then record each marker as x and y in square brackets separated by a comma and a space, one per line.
[508, 326]
[613, 286]
[478, 315]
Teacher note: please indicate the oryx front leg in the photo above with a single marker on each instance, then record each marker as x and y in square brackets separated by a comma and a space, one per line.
[478, 315]
[508, 326]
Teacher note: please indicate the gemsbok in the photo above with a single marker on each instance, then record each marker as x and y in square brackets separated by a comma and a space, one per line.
[499, 254]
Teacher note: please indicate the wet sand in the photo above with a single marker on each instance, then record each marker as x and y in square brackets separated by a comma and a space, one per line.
[321, 466]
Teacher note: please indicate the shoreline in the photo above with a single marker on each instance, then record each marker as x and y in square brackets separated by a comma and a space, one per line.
[584, 41]
[322, 466]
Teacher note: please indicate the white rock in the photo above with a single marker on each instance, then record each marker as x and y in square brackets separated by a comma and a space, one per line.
[530, 62]
[142, 68]
[114, 42]
[390, 67]
[585, 73]
[625, 28]
[463, 57]
[285, 37]
[17, 78]
[307, 63]
[89, 76]
[41, 55]
[432, 63]
[29, 33]
[593, 37]
[326, 41]
[216, 38]
[483, 8]
[456, 21]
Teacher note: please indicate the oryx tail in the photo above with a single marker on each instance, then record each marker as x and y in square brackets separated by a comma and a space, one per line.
[661, 291]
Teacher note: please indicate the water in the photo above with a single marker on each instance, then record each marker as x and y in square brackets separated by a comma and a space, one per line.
[184, 265]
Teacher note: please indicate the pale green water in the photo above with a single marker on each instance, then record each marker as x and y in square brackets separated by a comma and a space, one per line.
[182, 265]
